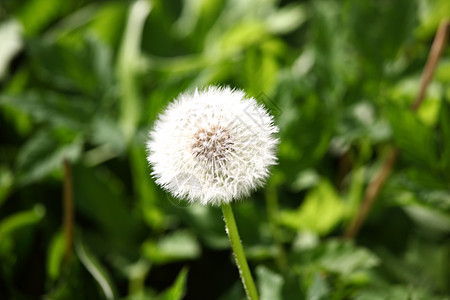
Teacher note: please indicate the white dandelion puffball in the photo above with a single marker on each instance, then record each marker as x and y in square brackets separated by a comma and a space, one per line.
[212, 146]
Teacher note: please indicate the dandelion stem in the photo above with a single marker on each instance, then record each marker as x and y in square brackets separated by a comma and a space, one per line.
[244, 270]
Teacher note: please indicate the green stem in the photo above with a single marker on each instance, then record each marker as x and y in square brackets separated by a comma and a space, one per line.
[129, 59]
[244, 270]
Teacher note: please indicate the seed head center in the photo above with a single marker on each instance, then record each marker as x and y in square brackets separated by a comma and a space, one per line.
[212, 144]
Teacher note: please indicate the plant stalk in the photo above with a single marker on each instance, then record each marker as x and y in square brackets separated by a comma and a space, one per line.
[233, 235]
[371, 193]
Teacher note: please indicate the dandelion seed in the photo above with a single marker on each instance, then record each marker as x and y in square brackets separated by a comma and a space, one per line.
[217, 142]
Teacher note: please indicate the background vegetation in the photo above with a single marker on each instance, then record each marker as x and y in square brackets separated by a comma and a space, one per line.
[82, 82]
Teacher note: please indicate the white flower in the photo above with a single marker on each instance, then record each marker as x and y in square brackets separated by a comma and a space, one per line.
[212, 146]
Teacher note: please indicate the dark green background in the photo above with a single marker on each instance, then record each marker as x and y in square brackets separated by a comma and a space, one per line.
[84, 80]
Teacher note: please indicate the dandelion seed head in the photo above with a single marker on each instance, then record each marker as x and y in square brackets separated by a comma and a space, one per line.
[212, 146]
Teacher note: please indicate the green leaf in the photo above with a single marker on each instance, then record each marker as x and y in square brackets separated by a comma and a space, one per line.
[399, 292]
[177, 290]
[355, 193]
[99, 196]
[429, 217]
[91, 263]
[319, 289]
[359, 123]
[431, 189]
[11, 34]
[344, 258]
[320, 212]
[444, 119]
[415, 140]
[195, 14]
[44, 153]
[241, 36]
[305, 179]
[55, 255]
[392, 22]
[207, 223]
[261, 252]
[86, 70]
[106, 133]
[349, 263]
[261, 68]
[6, 183]
[270, 284]
[52, 108]
[388, 292]
[431, 14]
[305, 138]
[20, 220]
[287, 19]
[236, 292]
[35, 14]
[108, 22]
[177, 246]
[136, 272]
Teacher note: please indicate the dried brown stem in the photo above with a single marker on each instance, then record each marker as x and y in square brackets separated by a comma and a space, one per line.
[371, 193]
[375, 186]
[437, 48]
[68, 210]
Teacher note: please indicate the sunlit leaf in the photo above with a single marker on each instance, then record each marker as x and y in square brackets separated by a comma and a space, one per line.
[319, 289]
[345, 258]
[431, 14]
[55, 256]
[429, 218]
[10, 34]
[180, 245]
[20, 220]
[321, 211]
[270, 284]
[287, 18]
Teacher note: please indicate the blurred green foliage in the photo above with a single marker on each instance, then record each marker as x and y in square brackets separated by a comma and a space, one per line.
[83, 81]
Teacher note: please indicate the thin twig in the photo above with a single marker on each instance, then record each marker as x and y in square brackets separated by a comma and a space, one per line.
[437, 48]
[68, 211]
[371, 193]
[375, 186]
